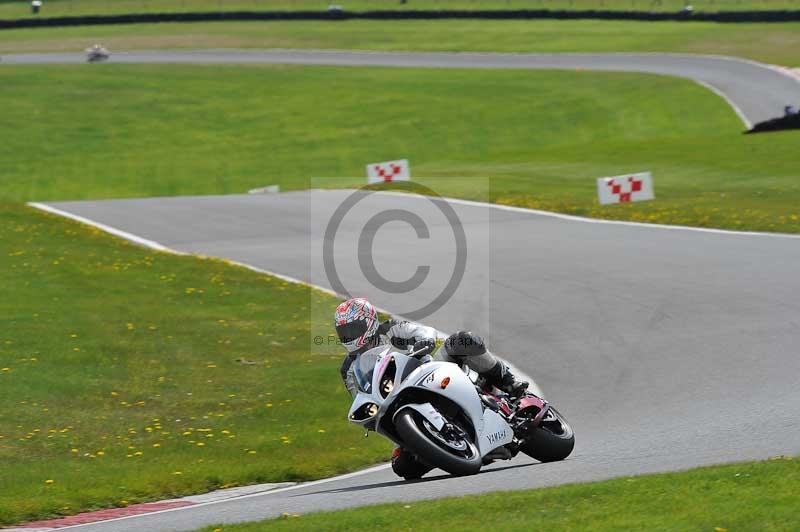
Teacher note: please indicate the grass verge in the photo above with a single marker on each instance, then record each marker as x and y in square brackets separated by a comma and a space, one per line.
[128, 375]
[541, 137]
[771, 43]
[59, 8]
[746, 496]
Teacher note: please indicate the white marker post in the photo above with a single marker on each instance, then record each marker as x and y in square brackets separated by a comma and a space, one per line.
[625, 188]
[388, 171]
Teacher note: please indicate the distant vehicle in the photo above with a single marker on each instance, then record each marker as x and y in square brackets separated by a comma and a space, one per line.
[450, 419]
[96, 53]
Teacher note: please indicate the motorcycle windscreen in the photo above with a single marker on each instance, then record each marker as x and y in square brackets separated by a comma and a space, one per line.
[364, 368]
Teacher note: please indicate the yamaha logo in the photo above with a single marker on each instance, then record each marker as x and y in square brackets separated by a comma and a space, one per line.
[496, 436]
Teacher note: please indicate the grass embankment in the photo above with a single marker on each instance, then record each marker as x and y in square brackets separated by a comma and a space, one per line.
[58, 8]
[748, 496]
[542, 137]
[128, 375]
[771, 43]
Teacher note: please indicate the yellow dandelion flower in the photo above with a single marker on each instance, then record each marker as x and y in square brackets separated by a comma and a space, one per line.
[49, 481]
[200, 444]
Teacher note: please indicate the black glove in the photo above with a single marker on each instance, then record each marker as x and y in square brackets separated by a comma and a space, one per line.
[424, 347]
[516, 388]
[464, 344]
[383, 327]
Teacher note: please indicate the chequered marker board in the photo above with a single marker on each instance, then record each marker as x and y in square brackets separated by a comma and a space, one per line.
[625, 188]
[388, 171]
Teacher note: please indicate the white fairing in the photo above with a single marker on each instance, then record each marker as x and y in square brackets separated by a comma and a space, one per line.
[428, 412]
[496, 432]
[442, 378]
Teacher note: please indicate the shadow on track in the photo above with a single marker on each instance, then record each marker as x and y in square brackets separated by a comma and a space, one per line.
[409, 482]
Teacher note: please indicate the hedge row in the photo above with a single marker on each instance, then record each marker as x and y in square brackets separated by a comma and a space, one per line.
[723, 16]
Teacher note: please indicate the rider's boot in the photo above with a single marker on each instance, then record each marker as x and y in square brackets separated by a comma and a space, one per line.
[407, 465]
[501, 378]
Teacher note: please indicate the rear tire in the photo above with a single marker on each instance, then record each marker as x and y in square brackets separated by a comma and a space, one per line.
[552, 441]
[408, 425]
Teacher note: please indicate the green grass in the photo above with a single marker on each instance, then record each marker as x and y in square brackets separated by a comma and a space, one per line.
[541, 137]
[128, 375]
[748, 496]
[51, 8]
[772, 43]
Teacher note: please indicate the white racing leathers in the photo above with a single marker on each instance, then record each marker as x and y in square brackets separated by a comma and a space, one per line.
[404, 334]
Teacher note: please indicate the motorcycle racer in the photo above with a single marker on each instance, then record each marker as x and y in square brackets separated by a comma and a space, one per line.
[359, 330]
[96, 52]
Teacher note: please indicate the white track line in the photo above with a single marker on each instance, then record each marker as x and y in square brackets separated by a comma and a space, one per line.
[747, 123]
[161, 247]
[786, 71]
[250, 496]
[534, 386]
[107, 228]
[583, 219]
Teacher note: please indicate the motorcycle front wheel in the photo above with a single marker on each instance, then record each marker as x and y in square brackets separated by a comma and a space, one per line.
[452, 452]
[552, 440]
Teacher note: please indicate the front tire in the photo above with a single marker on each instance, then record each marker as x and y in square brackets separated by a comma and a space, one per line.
[552, 441]
[415, 436]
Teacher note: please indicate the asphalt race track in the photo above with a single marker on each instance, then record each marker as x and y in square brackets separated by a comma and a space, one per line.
[666, 348]
[757, 92]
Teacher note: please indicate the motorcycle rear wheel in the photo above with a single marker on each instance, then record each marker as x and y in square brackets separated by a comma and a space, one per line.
[552, 441]
[411, 428]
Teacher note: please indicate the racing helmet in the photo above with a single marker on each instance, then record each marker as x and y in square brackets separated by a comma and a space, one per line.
[356, 322]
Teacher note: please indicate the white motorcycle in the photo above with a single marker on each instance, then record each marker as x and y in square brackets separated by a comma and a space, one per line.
[448, 419]
[97, 54]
